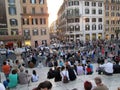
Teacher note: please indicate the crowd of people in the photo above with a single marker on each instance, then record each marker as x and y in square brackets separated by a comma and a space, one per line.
[16, 73]
[65, 65]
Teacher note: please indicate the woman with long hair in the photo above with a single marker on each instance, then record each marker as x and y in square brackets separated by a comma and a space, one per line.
[34, 77]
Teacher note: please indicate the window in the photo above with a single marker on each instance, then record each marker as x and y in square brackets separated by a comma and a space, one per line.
[14, 31]
[112, 7]
[33, 10]
[106, 13]
[70, 12]
[24, 1]
[44, 42]
[77, 28]
[34, 21]
[87, 27]
[42, 21]
[99, 11]
[93, 19]
[107, 21]
[87, 11]
[100, 27]
[76, 2]
[93, 27]
[107, 29]
[112, 21]
[87, 20]
[112, 1]
[71, 20]
[71, 28]
[70, 3]
[99, 19]
[41, 10]
[106, 7]
[24, 10]
[99, 4]
[3, 32]
[12, 10]
[117, 8]
[112, 14]
[33, 1]
[13, 22]
[76, 12]
[93, 3]
[25, 21]
[11, 1]
[35, 32]
[41, 1]
[26, 32]
[76, 19]
[86, 3]
[93, 11]
[43, 32]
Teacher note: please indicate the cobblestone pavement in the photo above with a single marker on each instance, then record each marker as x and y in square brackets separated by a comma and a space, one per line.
[113, 82]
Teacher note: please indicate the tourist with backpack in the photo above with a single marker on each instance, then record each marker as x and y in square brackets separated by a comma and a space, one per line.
[65, 75]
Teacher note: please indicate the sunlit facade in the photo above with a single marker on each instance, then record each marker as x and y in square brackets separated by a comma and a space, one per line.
[35, 22]
[10, 22]
[112, 19]
[82, 19]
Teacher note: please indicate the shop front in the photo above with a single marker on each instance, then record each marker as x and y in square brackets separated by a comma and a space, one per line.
[11, 41]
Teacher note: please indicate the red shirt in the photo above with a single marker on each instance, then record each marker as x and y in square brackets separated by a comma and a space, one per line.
[88, 70]
[6, 69]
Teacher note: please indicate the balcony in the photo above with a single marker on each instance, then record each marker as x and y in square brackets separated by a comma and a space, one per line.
[27, 37]
[35, 14]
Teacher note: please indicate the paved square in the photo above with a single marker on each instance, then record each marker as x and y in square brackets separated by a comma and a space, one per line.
[112, 82]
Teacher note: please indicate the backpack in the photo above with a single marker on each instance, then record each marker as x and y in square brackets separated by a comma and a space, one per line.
[65, 79]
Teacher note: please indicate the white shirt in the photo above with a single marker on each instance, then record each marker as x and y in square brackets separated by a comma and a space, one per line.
[64, 73]
[35, 78]
[108, 67]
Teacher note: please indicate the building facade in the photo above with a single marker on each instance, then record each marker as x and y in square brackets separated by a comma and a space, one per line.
[10, 22]
[35, 22]
[53, 32]
[112, 19]
[81, 19]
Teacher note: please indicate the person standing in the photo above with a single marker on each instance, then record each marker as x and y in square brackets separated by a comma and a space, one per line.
[100, 85]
